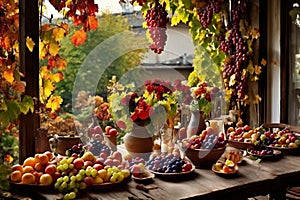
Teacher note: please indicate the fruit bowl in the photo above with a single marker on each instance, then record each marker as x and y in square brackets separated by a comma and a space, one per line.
[27, 188]
[240, 145]
[274, 154]
[203, 158]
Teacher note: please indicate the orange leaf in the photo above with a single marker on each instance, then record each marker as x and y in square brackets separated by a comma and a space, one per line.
[9, 76]
[30, 43]
[78, 37]
[92, 23]
[263, 62]
[61, 63]
[19, 86]
[6, 42]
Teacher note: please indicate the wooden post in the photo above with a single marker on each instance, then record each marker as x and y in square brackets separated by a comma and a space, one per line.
[29, 61]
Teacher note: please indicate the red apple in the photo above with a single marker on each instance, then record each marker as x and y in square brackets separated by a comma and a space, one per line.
[98, 167]
[87, 163]
[78, 163]
[97, 130]
[100, 161]
[50, 169]
[89, 180]
[135, 170]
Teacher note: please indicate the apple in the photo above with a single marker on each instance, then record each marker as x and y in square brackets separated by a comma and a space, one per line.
[89, 180]
[113, 132]
[100, 160]
[117, 155]
[88, 163]
[41, 158]
[55, 176]
[46, 179]
[103, 155]
[78, 163]
[50, 169]
[28, 169]
[28, 178]
[98, 167]
[135, 170]
[16, 176]
[39, 167]
[109, 162]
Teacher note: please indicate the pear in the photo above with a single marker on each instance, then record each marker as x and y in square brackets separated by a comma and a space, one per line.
[88, 156]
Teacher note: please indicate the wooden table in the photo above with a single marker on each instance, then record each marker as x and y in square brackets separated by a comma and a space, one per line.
[253, 179]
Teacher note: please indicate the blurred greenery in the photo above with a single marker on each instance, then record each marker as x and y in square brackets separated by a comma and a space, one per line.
[88, 54]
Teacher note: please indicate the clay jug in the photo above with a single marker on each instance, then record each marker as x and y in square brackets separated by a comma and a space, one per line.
[139, 142]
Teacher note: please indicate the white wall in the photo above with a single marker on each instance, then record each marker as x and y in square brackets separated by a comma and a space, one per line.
[273, 97]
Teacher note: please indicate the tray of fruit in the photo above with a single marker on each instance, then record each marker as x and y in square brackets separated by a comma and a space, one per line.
[264, 152]
[284, 140]
[242, 137]
[226, 169]
[170, 165]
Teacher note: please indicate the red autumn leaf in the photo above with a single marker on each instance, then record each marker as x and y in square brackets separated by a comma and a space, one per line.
[92, 8]
[79, 37]
[92, 23]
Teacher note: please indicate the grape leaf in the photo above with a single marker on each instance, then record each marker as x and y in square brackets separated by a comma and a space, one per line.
[53, 48]
[9, 76]
[78, 37]
[30, 44]
[57, 77]
[47, 88]
[54, 102]
[27, 104]
[58, 33]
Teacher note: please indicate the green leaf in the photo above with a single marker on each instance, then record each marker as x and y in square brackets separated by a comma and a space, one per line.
[27, 104]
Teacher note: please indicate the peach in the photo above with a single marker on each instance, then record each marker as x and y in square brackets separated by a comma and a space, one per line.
[39, 167]
[41, 158]
[28, 169]
[50, 169]
[46, 179]
[78, 163]
[50, 155]
[16, 176]
[17, 167]
[28, 178]
[30, 161]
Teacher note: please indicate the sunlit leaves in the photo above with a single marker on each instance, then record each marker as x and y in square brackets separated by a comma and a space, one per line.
[30, 44]
[26, 104]
[9, 76]
[79, 37]
[92, 22]
[54, 102]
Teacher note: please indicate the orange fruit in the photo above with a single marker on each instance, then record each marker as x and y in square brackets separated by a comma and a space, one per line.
[50, 155]
[16, 176]
[28, 169]
[39, 167]
[41, 158]
[28, 178]
[30, 161]
[17, 167]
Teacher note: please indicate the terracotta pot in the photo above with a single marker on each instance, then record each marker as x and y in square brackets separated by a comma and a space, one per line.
[196, 124]
[59, 144]
[139, 142]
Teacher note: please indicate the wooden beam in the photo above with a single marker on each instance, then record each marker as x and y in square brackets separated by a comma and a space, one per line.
[29, 61]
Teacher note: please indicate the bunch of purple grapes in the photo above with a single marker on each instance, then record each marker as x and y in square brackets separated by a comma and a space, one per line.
[236, 47]
[156, 19]
[207, 12]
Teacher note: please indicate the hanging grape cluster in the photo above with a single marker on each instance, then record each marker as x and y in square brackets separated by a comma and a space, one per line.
[207, 11]
[236, 47]
[156, 20]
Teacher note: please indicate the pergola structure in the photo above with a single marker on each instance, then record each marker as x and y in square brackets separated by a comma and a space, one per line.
[29, 61]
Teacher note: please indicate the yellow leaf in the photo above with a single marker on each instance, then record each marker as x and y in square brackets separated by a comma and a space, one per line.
[263, 62]
[232, 80]
[257, 69]
[43, 71]
[54, 102]
[43, 51]
[53, 48]
[250, 68]
[257, 99]
[47, 88]
[58, 33]
[9, 76]
[29, 43]
[57, 77]
[255, 33]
